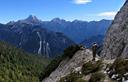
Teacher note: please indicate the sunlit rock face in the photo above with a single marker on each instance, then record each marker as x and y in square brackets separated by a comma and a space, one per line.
[116, 41]
[68, 65]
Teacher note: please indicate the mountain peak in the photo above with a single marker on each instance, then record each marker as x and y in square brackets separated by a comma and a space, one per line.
[58, 20]
[32, 18]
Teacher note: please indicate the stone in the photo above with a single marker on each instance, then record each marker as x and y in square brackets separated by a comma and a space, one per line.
[116, 41]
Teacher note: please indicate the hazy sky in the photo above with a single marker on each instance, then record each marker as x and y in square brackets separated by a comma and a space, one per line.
[66, 9]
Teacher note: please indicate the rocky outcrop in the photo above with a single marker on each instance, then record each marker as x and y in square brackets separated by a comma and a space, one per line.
[69, 65]
[116, 41]
[82, 67]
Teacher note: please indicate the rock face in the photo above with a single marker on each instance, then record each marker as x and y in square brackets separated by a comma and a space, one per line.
[116, 41]
[77, 63]
[68, 65]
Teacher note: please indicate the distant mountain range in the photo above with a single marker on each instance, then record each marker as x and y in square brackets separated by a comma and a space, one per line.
[50, 38]
[89, 41]
[32, 37]
[78, 30]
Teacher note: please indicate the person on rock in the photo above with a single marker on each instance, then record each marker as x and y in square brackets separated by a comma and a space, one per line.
[94, 50]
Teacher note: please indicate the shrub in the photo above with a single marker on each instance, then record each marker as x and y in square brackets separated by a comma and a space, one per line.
[18, 66]
[91, 67]
[51, 67]
[80, 80]
[71, 77]
[70, 51]
[97, 77]
[120, 66]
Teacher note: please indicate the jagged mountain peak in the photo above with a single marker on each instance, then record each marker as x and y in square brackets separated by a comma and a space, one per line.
[32, 19]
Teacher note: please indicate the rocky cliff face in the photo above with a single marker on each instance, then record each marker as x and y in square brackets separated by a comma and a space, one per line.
[116, 42]
[68, 65]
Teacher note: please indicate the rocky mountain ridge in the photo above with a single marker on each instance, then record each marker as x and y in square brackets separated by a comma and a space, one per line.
[33, 38]
[32, 30]
[116, 41]
[68, 65]
[81, 67]
[76, 30]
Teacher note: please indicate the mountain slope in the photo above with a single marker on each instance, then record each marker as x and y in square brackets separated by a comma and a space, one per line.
[29, 35]
[116, 42]
[16, 65]
[35, 36]
[81, 68]
[78, 30]
[67, 65]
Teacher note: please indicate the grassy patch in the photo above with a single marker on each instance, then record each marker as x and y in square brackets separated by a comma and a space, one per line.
[73, 77]
[120, 66]
[91, 67]
[97, 77]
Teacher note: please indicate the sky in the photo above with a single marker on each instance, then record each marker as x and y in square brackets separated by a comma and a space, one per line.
[87, 10]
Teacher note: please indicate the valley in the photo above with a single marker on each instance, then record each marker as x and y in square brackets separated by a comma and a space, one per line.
[64, 41]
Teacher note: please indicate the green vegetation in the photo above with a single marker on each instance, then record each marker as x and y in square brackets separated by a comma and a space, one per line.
[73, 77]
[97, 77]
[51, 67]
[68, 52]
[91, 67]
[18, 66]
[81, 80]
[120, 66]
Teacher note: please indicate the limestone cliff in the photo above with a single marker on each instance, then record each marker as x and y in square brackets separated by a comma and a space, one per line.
[116, 41]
